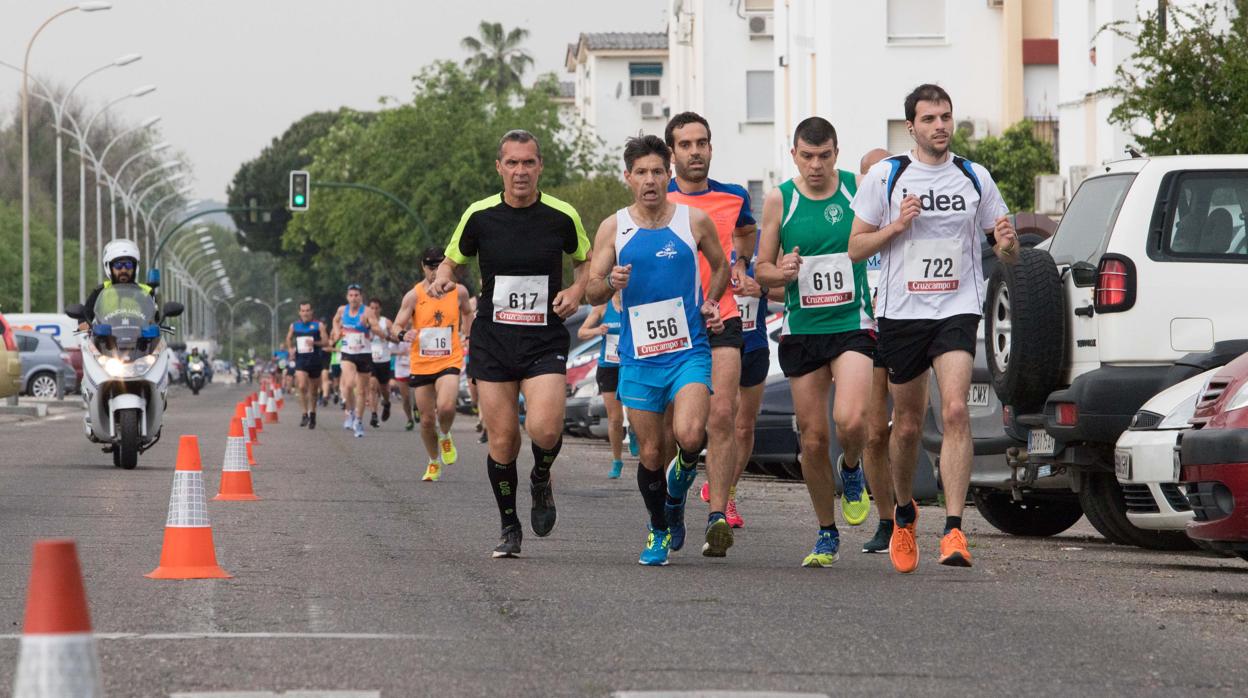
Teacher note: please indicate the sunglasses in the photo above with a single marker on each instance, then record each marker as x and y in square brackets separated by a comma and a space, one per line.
[122, 264]
[355, 287]
[432, 263]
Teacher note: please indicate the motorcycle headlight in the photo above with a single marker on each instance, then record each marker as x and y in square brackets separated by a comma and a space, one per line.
[117, 368]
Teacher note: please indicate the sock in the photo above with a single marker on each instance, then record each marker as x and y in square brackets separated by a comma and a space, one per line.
[846, 466]
[952, 522]
[653, 486]
[503, 481]
[543, 459]
[715, 516]
[689, 459]
[906, 514]
[732, 493]
[830, 528]
[887, 525]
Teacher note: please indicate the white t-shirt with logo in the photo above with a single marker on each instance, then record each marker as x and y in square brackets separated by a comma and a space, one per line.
[934, 270]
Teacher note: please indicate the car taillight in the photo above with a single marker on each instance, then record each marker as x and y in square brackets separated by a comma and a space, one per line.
[1067, 414]
[1007, 415]
[1115, 284]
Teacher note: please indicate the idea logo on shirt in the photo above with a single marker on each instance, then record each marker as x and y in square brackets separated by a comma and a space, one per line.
[931, 201]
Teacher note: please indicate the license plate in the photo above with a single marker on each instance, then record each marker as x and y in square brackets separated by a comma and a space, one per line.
[1122, 465]
[1040, 443]
[978, 396]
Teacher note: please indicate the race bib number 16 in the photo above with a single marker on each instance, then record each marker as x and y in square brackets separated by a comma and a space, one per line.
[521, 300]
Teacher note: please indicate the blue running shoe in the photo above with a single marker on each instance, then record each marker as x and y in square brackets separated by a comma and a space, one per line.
[675, 516]
[855, 502]
[827, 546]
[633, 447]
[617, 466]
[680, 479]
[657, 544]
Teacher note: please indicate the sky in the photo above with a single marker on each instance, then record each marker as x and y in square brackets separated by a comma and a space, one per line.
[233, 74]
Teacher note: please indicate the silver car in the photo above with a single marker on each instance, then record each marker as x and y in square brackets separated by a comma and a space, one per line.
[46, 370]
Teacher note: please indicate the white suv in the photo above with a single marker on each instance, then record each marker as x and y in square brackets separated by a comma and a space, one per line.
[1146, 269]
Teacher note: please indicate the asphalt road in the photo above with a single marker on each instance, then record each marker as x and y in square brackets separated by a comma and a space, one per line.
[353, 575]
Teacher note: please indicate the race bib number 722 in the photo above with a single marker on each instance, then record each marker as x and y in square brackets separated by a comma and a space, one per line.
[933, 266]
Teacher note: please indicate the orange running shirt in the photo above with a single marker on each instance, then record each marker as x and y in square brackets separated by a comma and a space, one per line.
[436, 320]
[728, 205]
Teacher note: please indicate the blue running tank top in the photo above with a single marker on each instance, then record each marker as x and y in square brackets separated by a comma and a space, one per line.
[609, 355]
[662, 302]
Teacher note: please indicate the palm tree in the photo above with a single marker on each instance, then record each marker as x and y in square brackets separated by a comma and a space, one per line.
[498, 61]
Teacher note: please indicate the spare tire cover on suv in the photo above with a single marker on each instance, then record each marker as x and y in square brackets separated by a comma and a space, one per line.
[1024, 329]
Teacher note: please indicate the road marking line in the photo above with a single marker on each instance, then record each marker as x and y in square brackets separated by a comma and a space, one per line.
[715, 694]
[289, 694]
[251, 636]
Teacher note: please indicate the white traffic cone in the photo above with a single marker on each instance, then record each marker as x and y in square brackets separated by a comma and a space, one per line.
[57, 656]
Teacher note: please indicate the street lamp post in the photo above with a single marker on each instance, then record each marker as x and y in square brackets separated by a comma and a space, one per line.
[230, 306]
[85, 7]
[98, 164]
[273, 321]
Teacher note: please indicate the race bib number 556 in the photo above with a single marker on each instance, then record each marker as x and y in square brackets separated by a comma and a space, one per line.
[659, 328]
[521, 300]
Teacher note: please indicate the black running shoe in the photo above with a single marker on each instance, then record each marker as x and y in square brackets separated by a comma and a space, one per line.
[385, 411]
[373, 422]
[312, 421]
[484, 437]
[879, 542]
[510, 545]
[543, 518]
[304, 422]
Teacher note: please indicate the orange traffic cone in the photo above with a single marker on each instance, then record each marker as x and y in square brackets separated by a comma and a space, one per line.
[235, 473]
[281, 398]
[57, 656]
[270, 410]
[251, 460]
[188, 552]
[259, 406]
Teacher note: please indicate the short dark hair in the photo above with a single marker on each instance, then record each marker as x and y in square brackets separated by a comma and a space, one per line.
[433, 252]
[926, 92]
[303, 303]
[374, 299]
[519, 135]
[641, 146]
[684, 119]
[815, 130]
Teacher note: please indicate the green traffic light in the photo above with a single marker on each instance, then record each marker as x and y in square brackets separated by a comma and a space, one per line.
[298, 199]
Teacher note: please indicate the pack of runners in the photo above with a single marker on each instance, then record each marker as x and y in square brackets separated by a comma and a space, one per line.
[680, 282]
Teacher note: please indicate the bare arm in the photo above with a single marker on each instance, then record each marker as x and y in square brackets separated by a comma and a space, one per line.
[569, 299]
[591, 327]
[337, 333]
[743, 239]
[324, 336]
[866, 239]
[406, 308]
[708, 244]
[602, 265]
[1007, 241]
[444, 282]
[766, 270]
[466, 312]
[290, 340]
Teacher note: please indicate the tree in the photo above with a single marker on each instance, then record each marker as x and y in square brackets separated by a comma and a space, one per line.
[266, 179]
[1186, 86]
[497, 60]
[1014, 158]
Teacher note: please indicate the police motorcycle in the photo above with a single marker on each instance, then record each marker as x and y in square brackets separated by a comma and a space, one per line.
[125, 363]
[195, 374]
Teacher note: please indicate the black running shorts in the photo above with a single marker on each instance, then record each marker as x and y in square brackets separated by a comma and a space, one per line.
[417, 381]
[802, 353]
[504, 354]
[730, 337]
[907, 347]
[608, 378]
[754, 366]
[363, 362]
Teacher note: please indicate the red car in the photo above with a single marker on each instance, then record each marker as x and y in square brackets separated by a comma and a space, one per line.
[1213, 456]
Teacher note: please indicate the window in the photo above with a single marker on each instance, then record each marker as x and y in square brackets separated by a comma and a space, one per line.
[899, 139]
[644, 79]
[916, 21]
[26, 344]
[1089, 218]
[760, 95]
[754, 188]
[1207, 216]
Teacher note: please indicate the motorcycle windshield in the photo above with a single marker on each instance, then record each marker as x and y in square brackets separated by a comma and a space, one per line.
[125, 321]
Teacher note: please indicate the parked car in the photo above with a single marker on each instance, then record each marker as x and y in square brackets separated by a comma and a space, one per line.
[1144, 460]
[62, 327]
[10, 361]
[1213, 456]
[1141, 273]
[46, 371]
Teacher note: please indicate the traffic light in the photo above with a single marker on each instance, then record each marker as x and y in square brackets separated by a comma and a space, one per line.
[299, 186]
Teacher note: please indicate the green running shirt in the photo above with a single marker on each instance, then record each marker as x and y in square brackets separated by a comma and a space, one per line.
[831, 294]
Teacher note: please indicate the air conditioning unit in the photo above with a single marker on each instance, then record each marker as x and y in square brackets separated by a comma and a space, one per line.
[650, 109]
[974, 129]
[1050, 194]
[996, 4]
[761, 26]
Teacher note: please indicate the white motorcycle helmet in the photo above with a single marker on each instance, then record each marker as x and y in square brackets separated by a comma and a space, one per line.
[120, 249]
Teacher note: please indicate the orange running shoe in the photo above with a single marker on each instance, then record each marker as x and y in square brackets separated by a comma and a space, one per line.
[953, 550]
[902, 549]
